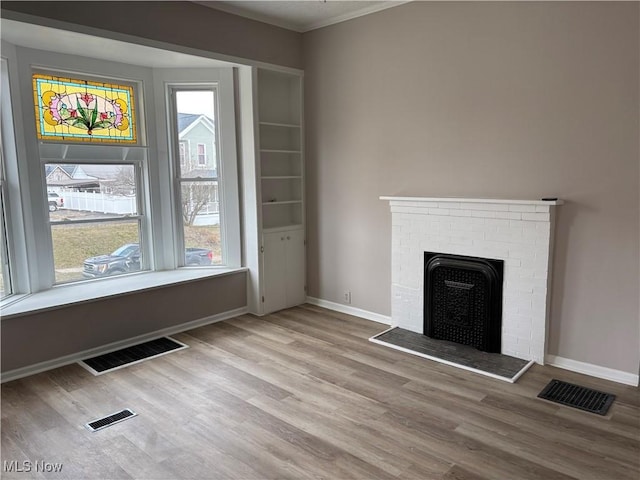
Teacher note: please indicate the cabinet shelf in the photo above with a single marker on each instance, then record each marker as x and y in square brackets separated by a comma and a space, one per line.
[281, 177]
[284, 228]
[283, 202]
[276, 124]
[272, 150]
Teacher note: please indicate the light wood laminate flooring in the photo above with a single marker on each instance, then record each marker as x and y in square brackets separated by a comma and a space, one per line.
[302, 394]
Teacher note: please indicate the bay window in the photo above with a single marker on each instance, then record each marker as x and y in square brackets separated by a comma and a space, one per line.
[94, 153]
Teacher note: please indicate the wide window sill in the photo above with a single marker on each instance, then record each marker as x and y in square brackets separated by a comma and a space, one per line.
[65, 295]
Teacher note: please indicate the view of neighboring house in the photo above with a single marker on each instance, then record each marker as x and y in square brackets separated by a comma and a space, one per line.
[197, 145]
[84, 178]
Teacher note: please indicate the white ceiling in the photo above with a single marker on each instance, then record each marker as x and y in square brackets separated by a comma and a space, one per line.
[301, 15]
[74, 43]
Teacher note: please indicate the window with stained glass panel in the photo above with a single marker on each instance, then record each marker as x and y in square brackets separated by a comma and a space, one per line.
[83, 111]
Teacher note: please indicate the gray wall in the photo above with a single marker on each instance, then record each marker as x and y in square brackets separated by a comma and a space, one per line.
[512, 100]
[39, 337]
[181, 23]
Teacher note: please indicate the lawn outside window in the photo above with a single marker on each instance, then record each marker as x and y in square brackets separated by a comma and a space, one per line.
[95, 234]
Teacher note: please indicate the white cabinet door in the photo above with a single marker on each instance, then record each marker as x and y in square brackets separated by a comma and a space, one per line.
[284, 272]
[273, 258]
[295, 271]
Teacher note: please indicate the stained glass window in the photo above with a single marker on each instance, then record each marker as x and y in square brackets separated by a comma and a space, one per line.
[83, 111]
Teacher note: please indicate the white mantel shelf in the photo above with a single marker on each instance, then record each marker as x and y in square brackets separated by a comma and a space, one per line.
[471, 200]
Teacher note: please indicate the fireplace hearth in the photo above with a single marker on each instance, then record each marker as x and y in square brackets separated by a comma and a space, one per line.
[463, 300]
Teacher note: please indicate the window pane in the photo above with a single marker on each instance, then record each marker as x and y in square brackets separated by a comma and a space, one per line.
[83, 111]
[197, 125]
[95, 250]
[201, 220]
[90, 192]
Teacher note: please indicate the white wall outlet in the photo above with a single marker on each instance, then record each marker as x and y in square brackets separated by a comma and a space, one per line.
[347, 297]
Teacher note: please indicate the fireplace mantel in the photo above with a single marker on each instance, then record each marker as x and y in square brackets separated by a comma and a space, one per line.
[519, 232]
[449, 200]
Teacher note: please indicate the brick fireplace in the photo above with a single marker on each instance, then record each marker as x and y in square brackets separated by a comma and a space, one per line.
[518, 232]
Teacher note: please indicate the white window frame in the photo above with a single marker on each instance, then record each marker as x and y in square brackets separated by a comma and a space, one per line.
[167, 81]
[29, 235]
[4, 242]
[38, 267]
[17, 213]
[100, 154]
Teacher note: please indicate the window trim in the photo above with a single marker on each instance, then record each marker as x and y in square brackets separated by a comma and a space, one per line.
[6, 266]
[227, 167]
[30, 231]
[37, 267]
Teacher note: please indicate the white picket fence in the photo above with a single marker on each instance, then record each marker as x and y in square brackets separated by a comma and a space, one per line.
[125, 205]
[99, 202]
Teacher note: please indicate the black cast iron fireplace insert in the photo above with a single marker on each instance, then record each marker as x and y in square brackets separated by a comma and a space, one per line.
[463, 300]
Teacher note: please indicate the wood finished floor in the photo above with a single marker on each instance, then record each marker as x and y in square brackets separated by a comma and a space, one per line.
[302, 394]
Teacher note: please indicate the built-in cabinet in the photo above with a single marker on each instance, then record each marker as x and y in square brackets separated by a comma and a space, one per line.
[280, 188]
[283, 262]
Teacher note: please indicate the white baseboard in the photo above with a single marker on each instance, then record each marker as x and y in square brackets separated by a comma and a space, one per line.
[593, 370]
[92, 352]
[356, 312]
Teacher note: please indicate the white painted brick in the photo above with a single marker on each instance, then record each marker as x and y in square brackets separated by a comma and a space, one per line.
[461, 240]
[536, 217]
[497, 222]
[522, 208]
[509, 215]
[543, 226]
[521, 251]
[537, 336]
[541, 273]
[482, 228]
[461, 227]
[483, 214]
[438, 211]
[461, 213]
[488, 207]
[507, 237]
[451, 205]
[526, 272]
[534, 262]
[542, 208]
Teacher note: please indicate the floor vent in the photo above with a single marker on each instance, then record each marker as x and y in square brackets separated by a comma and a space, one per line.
[577, 397]
[110, 420]
[130, 355]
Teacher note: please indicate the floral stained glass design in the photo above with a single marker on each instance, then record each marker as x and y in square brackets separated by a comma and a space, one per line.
[83, 111]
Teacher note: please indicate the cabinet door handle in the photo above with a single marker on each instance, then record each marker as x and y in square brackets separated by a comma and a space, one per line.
[281, 238]
[288, 237]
